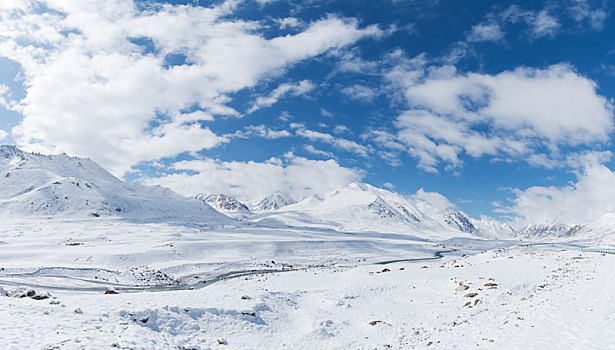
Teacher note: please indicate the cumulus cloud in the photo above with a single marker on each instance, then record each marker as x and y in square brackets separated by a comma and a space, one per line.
[99, 81]
[295, 176]
[517, 114]
[485, 32]
[359, 92]
[313, 150]
[260, 131]
[340, 129]
[389, 185]
[338, 142]
[582, 12]
[585, 200]
[289, 22]
[541, 23]
[298, 89]
[430, 203]
[351, 63]
[326, 113]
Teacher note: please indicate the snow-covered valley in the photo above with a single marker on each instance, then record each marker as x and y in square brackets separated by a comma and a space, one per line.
[292, 289]
[88, 261]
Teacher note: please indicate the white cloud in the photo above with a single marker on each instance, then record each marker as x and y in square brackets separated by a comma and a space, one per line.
[389, 185]
[3, 134]
[340, 143]
[515, 113]
[430, 203]
[92, 90]
[296, 176]
[289, 22]
[285, 116]
[485, 32]
[196, 116]
[591, 196]
[326, 113]
[582, 12]
[359, 92]
[340, 129]
[351, 63]
[313, 150]
[544, 24]
[6, 100]
[541, 23]
[265, 2]
[261, 131]
[298, 89]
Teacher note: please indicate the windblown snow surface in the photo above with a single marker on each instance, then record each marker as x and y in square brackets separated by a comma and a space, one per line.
[360, 268]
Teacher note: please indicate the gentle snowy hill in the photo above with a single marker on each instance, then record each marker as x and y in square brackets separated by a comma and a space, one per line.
[59, 185]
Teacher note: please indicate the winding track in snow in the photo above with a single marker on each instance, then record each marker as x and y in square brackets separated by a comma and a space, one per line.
[101, 286]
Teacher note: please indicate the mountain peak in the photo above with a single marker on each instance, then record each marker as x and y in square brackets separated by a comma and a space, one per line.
[360, 186]
[10, 151]
[32, 184]
[356, 187]
[273, 202]
[222, 202]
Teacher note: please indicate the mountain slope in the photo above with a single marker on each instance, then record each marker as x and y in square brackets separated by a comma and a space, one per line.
[538, 231]
[359, 207]
[494, 229]
[226, 205]
[273, 202]
[59, 185]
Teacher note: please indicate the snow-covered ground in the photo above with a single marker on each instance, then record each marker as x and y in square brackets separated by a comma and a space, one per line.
[88, 261]
[292, 289]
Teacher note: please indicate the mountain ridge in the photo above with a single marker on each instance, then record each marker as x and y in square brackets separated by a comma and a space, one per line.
[33, 184]
[37, 185]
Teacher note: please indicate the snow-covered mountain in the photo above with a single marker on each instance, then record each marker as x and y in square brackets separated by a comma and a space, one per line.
[272, 202]
[59, 185]
[548, 230]
[441, 210]
[222, 202]
[491, 228]
[359, 207]
[226, 205]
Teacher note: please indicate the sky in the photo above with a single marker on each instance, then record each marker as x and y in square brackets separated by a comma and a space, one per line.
[505, 107]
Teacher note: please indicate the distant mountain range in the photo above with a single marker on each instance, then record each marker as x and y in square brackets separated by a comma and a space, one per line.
[360, 207]
[35, 185]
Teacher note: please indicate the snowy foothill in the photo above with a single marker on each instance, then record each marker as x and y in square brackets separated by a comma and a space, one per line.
[90, 261]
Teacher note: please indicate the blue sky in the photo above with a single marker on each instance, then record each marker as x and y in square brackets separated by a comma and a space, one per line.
[503, 107]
